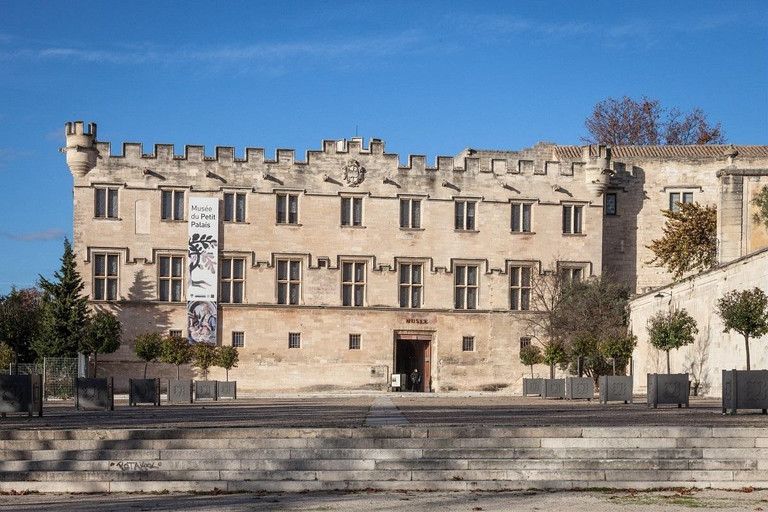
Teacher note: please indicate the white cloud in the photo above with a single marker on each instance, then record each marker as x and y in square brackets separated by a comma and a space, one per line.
[35, 236]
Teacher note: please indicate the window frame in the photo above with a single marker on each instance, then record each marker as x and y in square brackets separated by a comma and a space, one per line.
[519, 227]
[611, 212]
[170, 279]
[567, 270]
[288, 282]
[294, 340]
[461, 290]
[348, 217]
[575, 223]
[353, 283]
[467, 341]
[110, 211]
[517, 292]
[285, 199]
[461, 218]
[238, 339]
[106, 277]
[410, 284]
[233, 215]
[681, 195]
[175, 214]
[355, 341]
[525, 341]
[173, 333]
[409, 214]
[231, 280]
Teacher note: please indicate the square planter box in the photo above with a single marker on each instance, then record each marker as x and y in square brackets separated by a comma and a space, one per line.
[615, 388]
[180, 391]
[206, 390]
[745, 389]
[579, 388]
[94, 394]
[533, 387]
[21, 393]
[226, 389]
[554, 388]
[144, 391]
[666, 388]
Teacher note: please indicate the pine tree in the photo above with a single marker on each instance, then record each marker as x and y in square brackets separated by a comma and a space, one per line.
[67, 312]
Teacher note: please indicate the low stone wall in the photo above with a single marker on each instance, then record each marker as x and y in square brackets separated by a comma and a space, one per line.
[386, 458]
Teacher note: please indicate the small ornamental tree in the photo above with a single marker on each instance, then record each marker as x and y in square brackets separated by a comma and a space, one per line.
[531, 355]
[671, 330]
[147, 347]
[204, 356]
[102, 336]
[689, 241]
[618, 348]
[19, 321]
[761, 202]
[745, 312]
[6, 355]
[227, 358]
[554, 353]
[177, 351]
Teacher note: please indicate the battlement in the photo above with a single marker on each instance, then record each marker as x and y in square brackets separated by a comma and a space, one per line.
[78, 128]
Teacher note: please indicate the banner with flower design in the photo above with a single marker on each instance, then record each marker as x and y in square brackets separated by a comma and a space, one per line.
[202, 289]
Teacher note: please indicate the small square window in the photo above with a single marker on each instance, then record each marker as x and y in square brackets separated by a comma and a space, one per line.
[174, 333]
[525, 341]
[354, 342]
[468, 344]
[294, 340]
[610, 203]
[238, 339]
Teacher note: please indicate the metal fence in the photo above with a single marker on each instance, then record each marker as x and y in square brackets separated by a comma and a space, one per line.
[58, 375]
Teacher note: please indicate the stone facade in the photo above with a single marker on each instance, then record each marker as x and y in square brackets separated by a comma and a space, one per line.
[547, 177]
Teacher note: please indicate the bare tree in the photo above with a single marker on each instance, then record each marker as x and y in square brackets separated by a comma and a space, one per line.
[642, 122]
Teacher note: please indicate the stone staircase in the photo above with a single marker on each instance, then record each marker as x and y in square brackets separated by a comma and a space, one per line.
[385, 458]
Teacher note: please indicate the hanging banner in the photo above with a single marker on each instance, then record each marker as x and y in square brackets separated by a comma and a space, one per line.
[202, 291]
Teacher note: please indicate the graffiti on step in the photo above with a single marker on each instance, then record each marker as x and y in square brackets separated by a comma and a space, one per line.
[133, 465]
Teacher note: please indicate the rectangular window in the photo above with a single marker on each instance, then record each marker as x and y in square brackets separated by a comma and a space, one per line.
[675, 198]
[105, 203]
[174, 333]
[170, 278]
[610, 203]
[172, 207]
[411, 285]
[468, 344]
[238, 339]
[105, 276]
[234, 207]
[464, 214]
[571, 274]
[288, 281]
[353, 283]
[465, 287]
[525, 341]
[294, 340]
[287, 208]
[520, 287]
[410, 213]
[351, 211]
[232, 280]
[572, 219]
[354, 342]
[521, 217]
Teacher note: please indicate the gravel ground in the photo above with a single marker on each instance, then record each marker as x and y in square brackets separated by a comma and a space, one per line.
[592, 501]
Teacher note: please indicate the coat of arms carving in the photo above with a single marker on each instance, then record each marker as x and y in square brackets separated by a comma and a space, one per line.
[354, 173]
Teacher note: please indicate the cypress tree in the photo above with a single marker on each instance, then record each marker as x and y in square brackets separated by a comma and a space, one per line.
[66, 315]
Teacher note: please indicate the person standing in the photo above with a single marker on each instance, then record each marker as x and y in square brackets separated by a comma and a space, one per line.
[415, 380]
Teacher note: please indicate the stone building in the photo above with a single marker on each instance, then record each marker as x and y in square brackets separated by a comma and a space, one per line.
[340, 269]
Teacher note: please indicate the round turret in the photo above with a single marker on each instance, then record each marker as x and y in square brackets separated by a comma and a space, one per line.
[81, 147]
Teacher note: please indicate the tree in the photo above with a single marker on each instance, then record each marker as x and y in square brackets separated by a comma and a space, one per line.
[531, 355]
[554, 353]
[227, 358]
[7, 355]
[671, 330]
[627, 121]
[20, 321]
[177, 351]
[745, 312]
[761, 201]
[147, 347]
[67, 312]
[689, 241]
[102, 336]
[618, 348]
[204, 356]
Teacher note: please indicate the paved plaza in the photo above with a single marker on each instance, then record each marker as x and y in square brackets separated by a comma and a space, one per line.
[435, 409]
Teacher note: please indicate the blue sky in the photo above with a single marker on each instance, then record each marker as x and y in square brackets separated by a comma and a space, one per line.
[428, 78]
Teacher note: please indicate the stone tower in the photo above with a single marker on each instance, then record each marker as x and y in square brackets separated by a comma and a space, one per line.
[81, 147]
